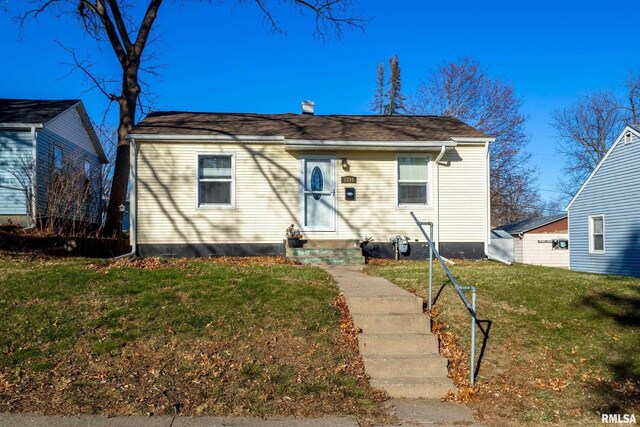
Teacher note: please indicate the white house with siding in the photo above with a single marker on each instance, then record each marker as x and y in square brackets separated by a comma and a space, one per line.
[38, 137]
[604, 215]
[229, 184]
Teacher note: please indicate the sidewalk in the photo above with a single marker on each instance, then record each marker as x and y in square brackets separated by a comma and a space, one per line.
[29, 420]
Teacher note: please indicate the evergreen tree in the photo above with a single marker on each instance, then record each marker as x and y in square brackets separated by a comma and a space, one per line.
[395, 105]
[377, 105]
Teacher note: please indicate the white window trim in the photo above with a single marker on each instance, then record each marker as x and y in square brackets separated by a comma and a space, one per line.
[604, 246]
[231, 205]
[429, 203]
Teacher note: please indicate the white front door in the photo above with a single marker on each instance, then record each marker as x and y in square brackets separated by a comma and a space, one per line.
[317, 193]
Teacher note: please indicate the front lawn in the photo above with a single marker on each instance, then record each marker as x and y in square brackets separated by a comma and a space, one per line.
[225, 337]
[564, 346]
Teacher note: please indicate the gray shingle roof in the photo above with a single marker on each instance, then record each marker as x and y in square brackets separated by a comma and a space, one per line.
[32, 111]
[635, 126]
[529, 224]
[308, 126]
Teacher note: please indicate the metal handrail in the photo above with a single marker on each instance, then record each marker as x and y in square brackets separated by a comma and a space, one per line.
[470, 305]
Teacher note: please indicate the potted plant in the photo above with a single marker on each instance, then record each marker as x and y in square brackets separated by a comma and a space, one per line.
[293, 236]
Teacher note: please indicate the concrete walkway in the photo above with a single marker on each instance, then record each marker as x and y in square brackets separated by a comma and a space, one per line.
[400, 354]
[29, 420]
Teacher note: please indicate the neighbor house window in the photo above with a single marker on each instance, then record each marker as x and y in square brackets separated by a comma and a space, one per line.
[57, 157]
[559, 244]
[215, 179]
[87, 170]
[413, 180]
[596, 233]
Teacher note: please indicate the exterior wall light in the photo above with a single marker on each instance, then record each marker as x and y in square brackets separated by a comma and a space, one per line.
[345, 163]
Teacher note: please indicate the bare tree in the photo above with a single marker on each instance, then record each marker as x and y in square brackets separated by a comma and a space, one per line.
[70, 202]
[633, 94]
[586, 130]
[109, 140]
[112, 23]
[464, 90]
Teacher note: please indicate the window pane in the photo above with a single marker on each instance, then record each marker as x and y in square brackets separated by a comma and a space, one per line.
[412, 193]
[57, 157]
[87, 170]
[214, 167]
[212, 193]
[598, 243]
[597, 225]
[413, 168]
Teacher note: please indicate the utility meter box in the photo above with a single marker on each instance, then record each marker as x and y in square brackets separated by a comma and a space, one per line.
[403, 245]
[349, 193]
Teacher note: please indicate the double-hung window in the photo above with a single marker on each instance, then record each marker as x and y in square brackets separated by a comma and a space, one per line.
[215, 180]
[413, 180]
[596, 234]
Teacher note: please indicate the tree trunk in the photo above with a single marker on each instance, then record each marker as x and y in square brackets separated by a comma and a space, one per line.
[127, 103]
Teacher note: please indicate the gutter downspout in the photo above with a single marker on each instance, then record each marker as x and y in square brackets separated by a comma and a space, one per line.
[487, 172]
[437, 162]
[133, 199]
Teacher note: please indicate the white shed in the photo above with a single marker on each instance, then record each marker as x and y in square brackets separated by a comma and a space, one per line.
[540, 241]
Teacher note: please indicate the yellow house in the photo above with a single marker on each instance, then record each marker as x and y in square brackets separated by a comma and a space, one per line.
[206, 184]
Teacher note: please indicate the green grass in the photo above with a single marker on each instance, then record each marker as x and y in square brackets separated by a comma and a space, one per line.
[189, 336]
[563, 347]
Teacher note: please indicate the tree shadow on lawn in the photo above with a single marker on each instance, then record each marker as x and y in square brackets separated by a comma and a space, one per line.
[621, 394]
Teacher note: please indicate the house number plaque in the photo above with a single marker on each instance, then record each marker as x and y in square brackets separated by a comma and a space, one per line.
[349, 180]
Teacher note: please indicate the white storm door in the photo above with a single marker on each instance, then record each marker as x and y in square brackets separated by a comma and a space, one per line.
[317, 193]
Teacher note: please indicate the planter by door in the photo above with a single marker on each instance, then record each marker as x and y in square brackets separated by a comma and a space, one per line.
[294, 243]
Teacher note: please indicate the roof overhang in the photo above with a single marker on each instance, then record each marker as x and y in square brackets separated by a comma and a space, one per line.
[20, 125]
[208, 138]
[474, 139]
[304, 144]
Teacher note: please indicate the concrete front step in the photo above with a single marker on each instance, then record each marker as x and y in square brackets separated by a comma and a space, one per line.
[392, 323]
[327, 260]
[415, 388]
[415, 344]
[330, 243]
[381, 366]
[384, 304]
[328, 252]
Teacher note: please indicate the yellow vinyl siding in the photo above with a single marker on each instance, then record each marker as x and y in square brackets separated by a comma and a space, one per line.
[463, 195]
[266, 196]
[374, 213]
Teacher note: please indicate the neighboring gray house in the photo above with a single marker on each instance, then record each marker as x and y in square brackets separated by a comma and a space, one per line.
[43, 139]
[604, 215]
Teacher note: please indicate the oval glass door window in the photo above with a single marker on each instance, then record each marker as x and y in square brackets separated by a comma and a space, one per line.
[317, 182]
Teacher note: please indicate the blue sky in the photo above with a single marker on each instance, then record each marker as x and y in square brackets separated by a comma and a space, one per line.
[219, 56]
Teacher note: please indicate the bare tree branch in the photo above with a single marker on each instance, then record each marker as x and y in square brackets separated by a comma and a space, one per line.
[586, 130]
[463, 90]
